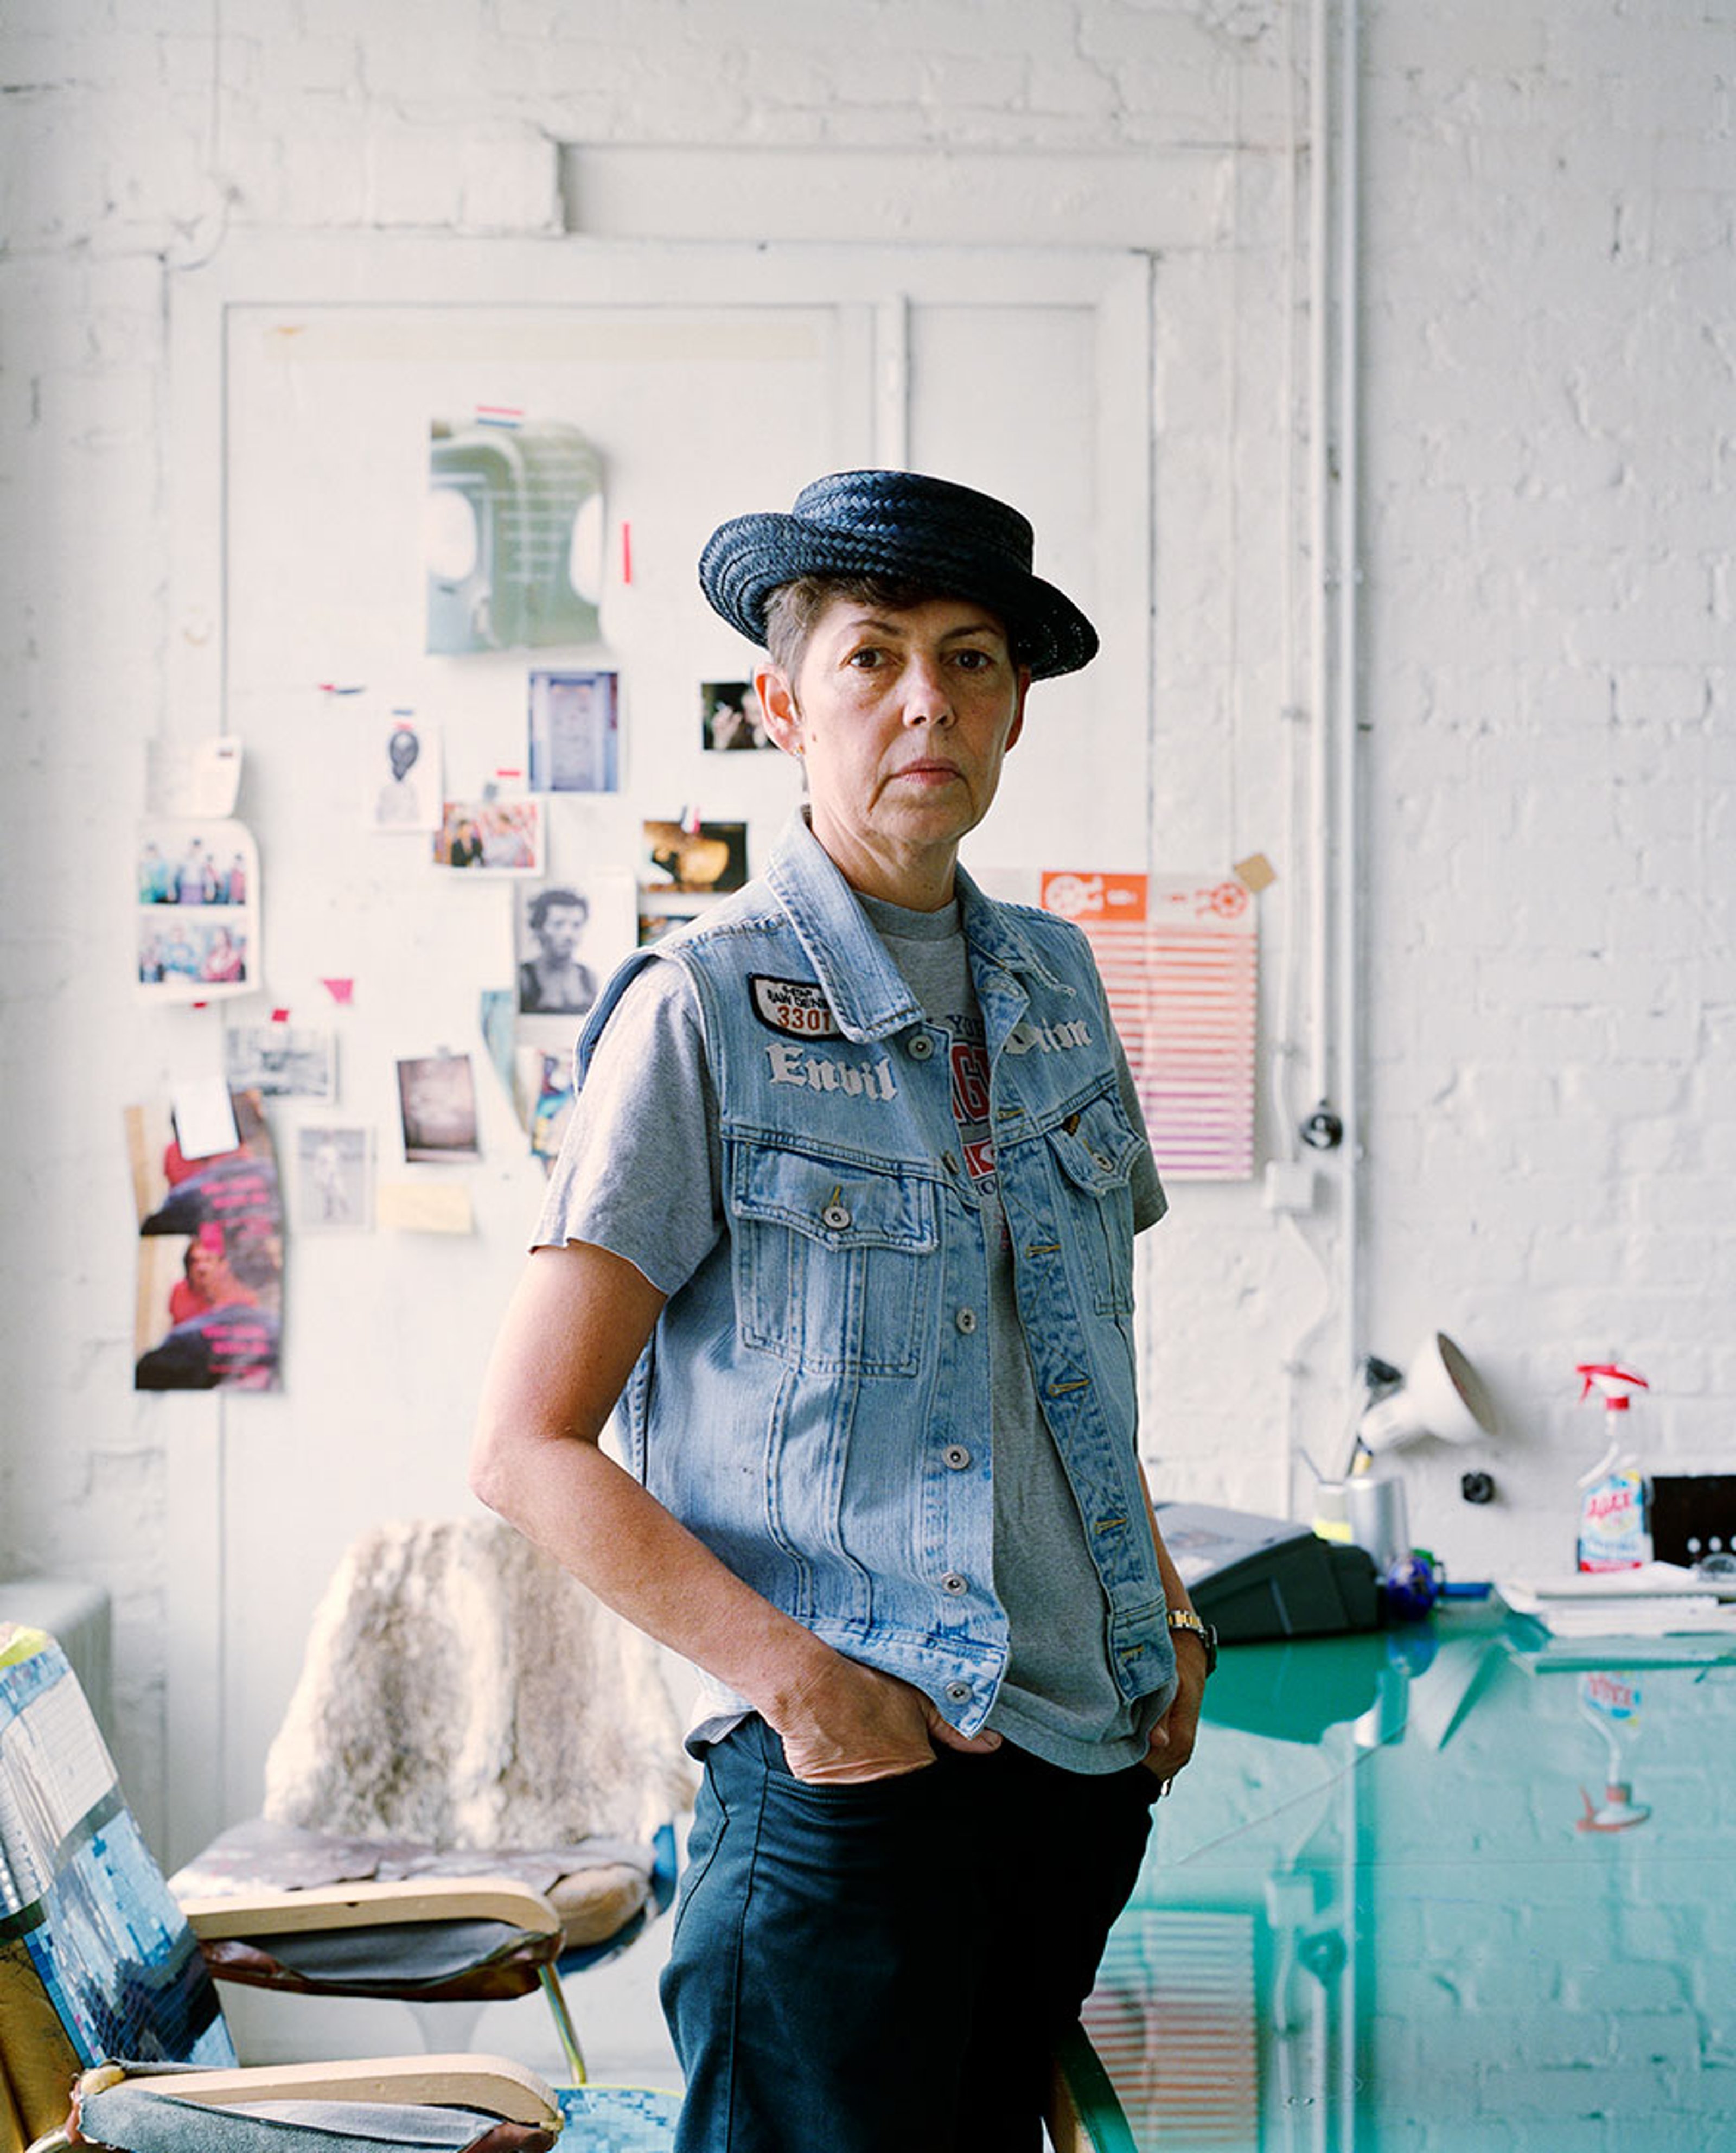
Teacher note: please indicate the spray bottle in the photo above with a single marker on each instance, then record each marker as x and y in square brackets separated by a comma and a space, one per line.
[1613, 1534]
[1610, 1701]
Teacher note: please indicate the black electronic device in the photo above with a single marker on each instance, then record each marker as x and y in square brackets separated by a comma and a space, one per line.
[1256, 1577]
[1694, 1516]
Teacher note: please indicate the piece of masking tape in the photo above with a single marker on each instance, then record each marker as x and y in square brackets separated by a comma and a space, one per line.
[424, 1207]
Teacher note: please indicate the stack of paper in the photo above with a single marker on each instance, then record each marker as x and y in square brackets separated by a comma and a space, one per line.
[1659, 1599]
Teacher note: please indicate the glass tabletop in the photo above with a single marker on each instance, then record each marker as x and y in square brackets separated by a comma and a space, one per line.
[1456, 1888]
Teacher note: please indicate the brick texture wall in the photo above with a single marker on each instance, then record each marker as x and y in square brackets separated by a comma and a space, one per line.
[1547, 305]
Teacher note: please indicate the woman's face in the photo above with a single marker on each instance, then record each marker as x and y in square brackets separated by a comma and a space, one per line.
[902, 715]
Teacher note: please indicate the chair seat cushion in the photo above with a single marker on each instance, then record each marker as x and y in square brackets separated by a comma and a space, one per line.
[595, 1904]
[596, 1886]
[478, 1961]
[127, 2117]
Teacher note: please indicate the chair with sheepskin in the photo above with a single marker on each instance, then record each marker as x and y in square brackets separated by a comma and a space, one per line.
[463, 1707]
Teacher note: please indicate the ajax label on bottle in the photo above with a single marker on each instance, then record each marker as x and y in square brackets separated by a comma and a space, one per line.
[1613, 1534]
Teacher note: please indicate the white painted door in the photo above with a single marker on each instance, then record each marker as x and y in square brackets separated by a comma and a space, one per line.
[713, 381]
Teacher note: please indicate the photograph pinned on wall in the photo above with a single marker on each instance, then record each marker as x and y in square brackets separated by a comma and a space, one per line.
[686, 866]
[197, 916]
[730, 717]
[437, 1100]
[400, 771]
[512, 532]
[209, 1297]
[701, 859]
[335, 1179]
[544, 1099]
[497, 1019]
[575, 732]
[498, 834]
[280, 1061]
[660, 915]
[569, 936]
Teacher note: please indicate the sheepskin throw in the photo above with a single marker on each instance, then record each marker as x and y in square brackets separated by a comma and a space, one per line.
[461, 1690]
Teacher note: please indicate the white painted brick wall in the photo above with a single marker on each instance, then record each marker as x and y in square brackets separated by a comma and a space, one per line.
[1551, 1136]
[1556, 356]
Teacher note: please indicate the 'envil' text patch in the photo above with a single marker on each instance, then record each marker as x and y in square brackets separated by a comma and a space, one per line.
[795, 1006]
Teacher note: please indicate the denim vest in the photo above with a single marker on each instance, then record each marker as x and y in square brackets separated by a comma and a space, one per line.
[815, 1401]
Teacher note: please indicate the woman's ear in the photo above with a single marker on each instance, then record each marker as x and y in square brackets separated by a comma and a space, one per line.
[1018, 723]
[778, 701]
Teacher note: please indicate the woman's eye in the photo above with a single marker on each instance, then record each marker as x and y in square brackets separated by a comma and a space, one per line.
[973, 661]
[865, 660]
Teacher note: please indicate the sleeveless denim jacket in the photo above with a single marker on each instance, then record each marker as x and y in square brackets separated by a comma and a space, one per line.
[815, 1401]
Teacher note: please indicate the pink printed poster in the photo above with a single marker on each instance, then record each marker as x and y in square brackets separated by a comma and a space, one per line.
[1179, 957]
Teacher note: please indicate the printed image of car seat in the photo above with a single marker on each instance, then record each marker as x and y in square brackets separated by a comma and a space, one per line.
[514, 538]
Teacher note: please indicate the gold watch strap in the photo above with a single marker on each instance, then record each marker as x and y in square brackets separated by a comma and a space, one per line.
[1185, 1618]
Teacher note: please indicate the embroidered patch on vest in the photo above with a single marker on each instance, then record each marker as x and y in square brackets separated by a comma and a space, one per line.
[797, 1006]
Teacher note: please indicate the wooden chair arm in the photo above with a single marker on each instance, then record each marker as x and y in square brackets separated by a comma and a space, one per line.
[1065, 2126]
[260, 1913]
[1082, 2113]
[493, 2084]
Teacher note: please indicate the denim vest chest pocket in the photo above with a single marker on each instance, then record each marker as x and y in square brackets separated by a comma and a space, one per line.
[1094, 1147]
[833, 1258]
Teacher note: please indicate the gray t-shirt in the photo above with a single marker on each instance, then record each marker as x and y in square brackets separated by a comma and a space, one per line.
[639, 1174]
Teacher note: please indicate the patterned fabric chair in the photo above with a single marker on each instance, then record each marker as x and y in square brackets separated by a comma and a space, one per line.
[110, 2029]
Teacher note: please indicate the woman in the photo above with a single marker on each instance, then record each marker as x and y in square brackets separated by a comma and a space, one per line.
[857, 1157]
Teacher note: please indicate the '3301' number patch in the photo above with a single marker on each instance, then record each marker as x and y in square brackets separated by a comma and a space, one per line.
[796, 1007]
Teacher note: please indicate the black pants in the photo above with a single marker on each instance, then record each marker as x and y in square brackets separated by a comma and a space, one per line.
[869, 1969]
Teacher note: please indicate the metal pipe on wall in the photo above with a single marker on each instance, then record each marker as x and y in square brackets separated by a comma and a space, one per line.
[1347, 703]
[1319, 352]
[1335, 626]
[1347, 817]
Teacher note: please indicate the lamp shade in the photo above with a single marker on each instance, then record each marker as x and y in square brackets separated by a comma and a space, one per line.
[1442, 1395]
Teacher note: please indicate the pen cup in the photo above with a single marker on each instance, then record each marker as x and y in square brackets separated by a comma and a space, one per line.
[1374, 1503]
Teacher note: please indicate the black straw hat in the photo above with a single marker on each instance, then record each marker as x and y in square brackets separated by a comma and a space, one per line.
[910, 529]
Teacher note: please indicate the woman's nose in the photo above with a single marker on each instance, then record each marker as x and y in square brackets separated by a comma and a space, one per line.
[927, 698]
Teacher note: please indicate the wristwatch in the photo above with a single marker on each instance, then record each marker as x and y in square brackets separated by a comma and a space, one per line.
[1185, 1618]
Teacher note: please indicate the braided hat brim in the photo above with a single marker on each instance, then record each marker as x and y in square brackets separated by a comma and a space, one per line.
[748, 558]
